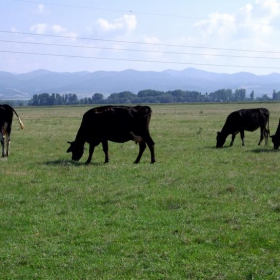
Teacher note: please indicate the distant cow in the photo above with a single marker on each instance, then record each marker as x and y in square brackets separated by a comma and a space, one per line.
[276, 137]
[113, 123]
[6, 119]
[245, 119]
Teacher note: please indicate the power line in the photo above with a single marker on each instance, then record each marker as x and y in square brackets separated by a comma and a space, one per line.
[138, 12]
[135, 42]
[139, 60]
[134, 50]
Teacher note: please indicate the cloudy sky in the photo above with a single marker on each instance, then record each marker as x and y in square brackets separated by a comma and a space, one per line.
[147, 35]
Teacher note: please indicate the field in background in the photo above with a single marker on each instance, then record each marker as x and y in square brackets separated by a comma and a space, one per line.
[197, 213]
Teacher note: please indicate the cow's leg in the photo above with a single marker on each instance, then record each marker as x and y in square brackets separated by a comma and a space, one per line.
[2, 144]
[261, 136]
[8, 141]
[264, 134]
[242, 136]
[105, 150]
[142, 147]
[92, 145]
[232, 138]
[151, 144]
[90, 153]
[91, 150]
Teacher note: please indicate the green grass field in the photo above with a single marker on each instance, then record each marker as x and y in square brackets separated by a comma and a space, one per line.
[197, 213]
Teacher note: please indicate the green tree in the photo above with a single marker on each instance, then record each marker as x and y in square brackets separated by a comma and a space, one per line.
[149, 93]
[97, 98]
[222, 95]
[239, 94]
[252, 95]
[276, 95]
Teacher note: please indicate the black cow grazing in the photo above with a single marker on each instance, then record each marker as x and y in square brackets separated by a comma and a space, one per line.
[113, 123]
[245, 119]
[276, 137]
[6, 119]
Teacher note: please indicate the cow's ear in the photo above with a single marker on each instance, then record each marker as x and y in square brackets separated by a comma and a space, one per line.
[218, 133]
[69, 149]
[271, 136]
[69, 142]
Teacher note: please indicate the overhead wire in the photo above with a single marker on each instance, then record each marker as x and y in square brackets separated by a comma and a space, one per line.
[137, 42]
[139, 60]
[135, 50]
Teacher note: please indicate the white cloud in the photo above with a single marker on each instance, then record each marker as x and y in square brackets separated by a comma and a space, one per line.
[252, 27]
[43, 28]
[41, 8]
[151, 40]
[127, 23]
[57, 28]
[39, 28]
[268, 9]
[251, 22]
[218, 24]
[246, 10]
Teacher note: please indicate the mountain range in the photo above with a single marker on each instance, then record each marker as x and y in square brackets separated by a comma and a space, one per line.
[85, 84]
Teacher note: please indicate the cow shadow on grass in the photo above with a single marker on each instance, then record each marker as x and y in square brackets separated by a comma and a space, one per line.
[215, 148]
[262, 150]
[257, 150]
[68, 163]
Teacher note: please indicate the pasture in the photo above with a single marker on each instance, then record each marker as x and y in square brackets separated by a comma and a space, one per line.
[197, 213]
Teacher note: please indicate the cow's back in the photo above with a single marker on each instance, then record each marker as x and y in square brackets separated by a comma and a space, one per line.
[248, 119]
[112, 116]
[255, 117]
[115, 123]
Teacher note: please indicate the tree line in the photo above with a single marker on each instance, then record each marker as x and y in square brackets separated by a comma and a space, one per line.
[150, 96]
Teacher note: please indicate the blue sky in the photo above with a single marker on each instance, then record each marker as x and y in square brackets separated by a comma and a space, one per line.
[147, 35]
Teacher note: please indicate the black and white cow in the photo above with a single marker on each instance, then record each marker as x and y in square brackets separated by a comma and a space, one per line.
[6, 119]
[113, 123]
[244, 119]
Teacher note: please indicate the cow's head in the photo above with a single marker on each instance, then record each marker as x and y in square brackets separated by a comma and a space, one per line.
[275, 141]
[77, 150]
[276, 137]
[220, 140]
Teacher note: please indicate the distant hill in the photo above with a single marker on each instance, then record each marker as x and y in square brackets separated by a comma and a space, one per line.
[24, 86]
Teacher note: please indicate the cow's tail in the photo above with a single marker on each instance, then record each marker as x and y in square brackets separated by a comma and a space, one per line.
[21, 124]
